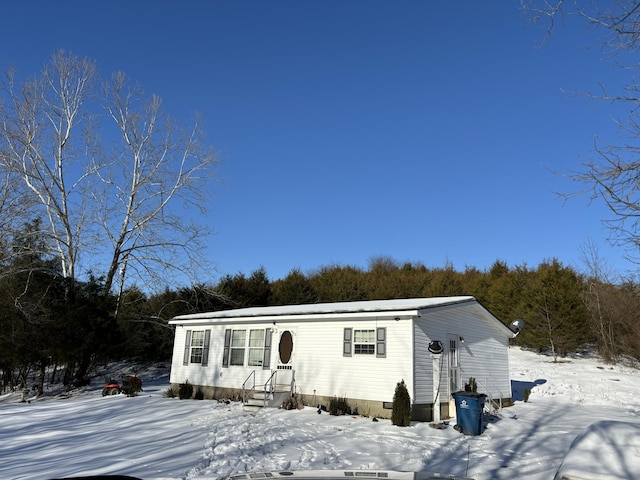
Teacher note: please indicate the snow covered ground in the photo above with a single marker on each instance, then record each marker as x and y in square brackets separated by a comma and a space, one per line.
[153, 437]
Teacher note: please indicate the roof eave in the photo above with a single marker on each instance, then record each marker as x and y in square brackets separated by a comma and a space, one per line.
[308, 317]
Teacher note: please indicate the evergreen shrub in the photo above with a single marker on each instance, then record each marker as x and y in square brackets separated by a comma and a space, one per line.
[339, 406]
[401, 408]
[472, 386]
[185, 390]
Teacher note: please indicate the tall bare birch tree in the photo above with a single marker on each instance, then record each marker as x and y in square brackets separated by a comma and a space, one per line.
[155, 165]
[108, 171]
[45, 135]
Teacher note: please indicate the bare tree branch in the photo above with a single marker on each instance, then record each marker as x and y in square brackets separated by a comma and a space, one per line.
[37, 131]
[118, 201]
[612, 172]
[157, 166]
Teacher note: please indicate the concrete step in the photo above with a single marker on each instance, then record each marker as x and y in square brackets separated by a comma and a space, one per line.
[258, 400]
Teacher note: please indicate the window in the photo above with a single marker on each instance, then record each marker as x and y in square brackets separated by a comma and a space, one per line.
[256, 347]
[238, 341]
[364, 342]
[196, 347]
[259, 347]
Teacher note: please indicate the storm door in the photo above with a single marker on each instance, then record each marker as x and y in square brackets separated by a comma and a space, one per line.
[286, 355]
[454, 365]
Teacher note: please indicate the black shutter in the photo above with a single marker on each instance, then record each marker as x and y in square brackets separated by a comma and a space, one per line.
[381, 342]
[205, 348]
[187, 348]
[227, 347]
[346, 342]
[266, 361]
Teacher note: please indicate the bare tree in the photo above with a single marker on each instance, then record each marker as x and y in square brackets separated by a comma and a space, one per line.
[599, 297]
[612, 173]
[13, 209]
[44, 144]
[156, 165]
[114, 200]
[620, 19]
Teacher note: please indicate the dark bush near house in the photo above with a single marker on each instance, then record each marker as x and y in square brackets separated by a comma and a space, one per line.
[185, 390]
[472, 386]
[131, 385]
[339, 406]
[292, 403]
[401, 408]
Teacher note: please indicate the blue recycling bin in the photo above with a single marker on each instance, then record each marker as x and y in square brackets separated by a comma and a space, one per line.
[469, 406]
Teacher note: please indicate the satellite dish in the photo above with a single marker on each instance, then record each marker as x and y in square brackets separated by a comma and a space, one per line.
[517, 325]
[436, 347]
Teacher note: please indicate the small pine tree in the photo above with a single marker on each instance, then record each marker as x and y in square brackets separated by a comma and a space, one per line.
[185, 390]
[401, 409]
[472, 386]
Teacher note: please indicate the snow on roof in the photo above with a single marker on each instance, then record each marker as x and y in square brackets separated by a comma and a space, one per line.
[396, 305]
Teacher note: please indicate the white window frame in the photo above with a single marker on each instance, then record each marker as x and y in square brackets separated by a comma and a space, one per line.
[371, 343]
[238, 345]
[364, 341]
[255, 357]
[197, 346]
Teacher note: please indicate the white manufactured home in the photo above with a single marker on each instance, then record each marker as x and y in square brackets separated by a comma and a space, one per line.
[353, 350]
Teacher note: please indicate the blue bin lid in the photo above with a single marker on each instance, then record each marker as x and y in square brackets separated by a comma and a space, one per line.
[464, 393]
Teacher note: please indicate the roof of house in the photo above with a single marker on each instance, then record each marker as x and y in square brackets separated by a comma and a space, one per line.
[371, 306]
[399, 308]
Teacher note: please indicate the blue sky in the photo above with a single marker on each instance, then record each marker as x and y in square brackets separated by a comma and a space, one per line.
[422, 131]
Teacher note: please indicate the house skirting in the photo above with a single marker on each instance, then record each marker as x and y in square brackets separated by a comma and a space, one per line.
[420, 412]
[207, 392]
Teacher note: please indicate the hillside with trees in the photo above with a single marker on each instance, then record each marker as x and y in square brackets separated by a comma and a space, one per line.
[50, 323]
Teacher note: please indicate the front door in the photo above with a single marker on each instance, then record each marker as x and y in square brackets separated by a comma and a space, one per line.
[286, 354]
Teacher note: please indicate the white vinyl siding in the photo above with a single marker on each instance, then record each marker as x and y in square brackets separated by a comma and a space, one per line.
[324, 361]
[364, 376]
[216, 372]
[318, 362]
[423, 386]
[483, 355]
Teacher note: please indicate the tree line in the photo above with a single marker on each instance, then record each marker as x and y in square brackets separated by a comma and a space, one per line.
[63, 328]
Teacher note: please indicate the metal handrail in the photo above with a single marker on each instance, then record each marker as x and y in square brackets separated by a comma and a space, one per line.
[487, 384]
[252, 375]
[271, 384]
